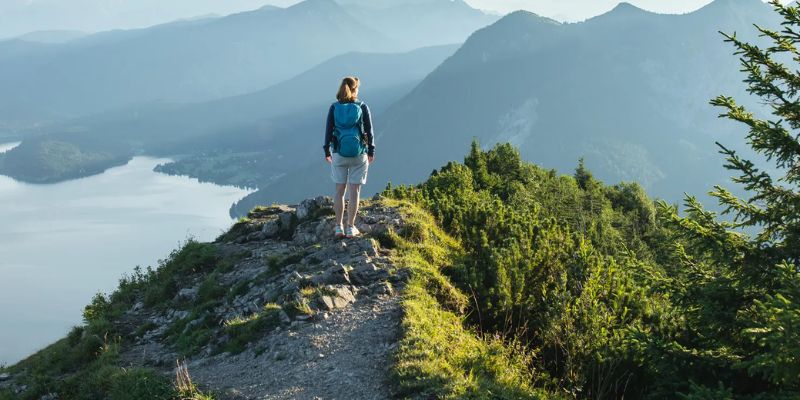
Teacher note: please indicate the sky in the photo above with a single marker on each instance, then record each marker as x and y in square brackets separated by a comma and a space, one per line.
[18, 17]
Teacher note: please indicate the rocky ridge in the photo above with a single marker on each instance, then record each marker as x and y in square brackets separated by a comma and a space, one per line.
[338, 316]
[295, 313]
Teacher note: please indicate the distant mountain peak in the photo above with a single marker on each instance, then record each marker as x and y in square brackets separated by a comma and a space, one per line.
[522, 16]
[626, 8]
[623, 11]
[623, 6]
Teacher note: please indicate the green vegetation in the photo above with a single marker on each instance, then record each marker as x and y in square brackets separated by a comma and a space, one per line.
[602, 292]
[527, 284]
[438, 357]
[244, 170]
[86, 364]
[242, 331]
[55, 160]
[161, 285]
[559, 263]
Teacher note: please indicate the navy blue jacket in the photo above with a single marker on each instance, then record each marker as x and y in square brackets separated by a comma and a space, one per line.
[368, 136]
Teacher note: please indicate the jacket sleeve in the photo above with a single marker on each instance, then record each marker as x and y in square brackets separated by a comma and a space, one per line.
[328, 133]
[368, 133]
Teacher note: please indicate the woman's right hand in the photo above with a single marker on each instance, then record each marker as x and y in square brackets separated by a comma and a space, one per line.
[329, 159]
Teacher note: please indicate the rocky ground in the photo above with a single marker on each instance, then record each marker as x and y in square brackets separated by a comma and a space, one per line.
[344, 356]
[335, 303]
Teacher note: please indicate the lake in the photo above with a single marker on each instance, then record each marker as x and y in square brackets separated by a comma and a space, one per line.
[62, 243]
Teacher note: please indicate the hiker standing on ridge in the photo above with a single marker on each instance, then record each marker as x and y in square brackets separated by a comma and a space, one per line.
[349, 132]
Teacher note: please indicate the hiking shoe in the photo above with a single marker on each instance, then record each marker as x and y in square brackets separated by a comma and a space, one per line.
[352, 232]
[339, 232]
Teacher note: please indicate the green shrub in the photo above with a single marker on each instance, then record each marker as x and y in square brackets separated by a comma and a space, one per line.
[210, 290]
[243, 330]
[194, 257]
[540, 254]
[438, 357]
[138, 384]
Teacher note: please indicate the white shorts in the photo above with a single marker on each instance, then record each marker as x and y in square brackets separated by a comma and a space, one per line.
[352, 170]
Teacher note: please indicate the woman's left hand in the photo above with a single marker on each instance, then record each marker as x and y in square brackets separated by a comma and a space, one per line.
[370, 159]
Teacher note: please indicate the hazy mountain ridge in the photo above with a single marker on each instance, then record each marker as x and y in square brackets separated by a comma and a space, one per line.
[156, 124]
[207, 58]
[53, 37]
[627, 90]
[190, 61]
[243, 140]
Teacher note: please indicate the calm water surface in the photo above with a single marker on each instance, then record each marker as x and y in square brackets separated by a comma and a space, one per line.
[62, 243]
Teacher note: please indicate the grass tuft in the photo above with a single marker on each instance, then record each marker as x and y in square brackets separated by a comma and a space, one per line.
[244, 330]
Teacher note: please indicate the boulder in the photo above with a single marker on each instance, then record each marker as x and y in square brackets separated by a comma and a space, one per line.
[368, 273]
[308, 207]
[305, 208]
[369, 246]
[256, 236]
[381, 288]
[286, 220]
[335, 275]
[271, 228]
[343, 296]
[327, 303]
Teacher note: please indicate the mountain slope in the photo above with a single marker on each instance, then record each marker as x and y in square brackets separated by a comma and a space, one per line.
[267, 125]
[187, 61]
[207, 58]
[315, 87]
[628, 91]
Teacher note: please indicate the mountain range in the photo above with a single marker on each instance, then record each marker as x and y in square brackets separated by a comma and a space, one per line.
[208, 58]
[627, 91]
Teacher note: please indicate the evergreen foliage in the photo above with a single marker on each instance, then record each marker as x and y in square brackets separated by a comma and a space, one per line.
[749, 284]
[616, 295]
[549, 265]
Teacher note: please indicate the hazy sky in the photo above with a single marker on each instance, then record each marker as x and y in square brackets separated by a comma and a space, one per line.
[576, 10]
[21, 16]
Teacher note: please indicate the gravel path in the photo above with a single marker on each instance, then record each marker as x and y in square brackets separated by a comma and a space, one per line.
[344, 356]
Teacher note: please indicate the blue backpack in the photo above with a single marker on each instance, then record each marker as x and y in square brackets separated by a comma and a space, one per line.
[348, 128]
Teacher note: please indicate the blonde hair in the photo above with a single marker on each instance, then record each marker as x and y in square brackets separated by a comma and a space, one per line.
[347, 90]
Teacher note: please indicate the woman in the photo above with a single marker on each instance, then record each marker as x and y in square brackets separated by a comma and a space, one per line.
[349, 132]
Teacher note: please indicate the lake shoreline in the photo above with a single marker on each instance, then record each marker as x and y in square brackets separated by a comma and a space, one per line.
[64, 242]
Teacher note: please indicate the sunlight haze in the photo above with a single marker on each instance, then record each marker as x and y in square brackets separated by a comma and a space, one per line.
[23, 16]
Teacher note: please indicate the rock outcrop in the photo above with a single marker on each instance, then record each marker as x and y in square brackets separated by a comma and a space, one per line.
[330, 308]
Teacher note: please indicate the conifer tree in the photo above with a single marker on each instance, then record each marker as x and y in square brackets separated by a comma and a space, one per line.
[745, 284]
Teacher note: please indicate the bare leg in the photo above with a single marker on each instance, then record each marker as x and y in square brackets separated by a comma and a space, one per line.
[338, 203]
[353, 193]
